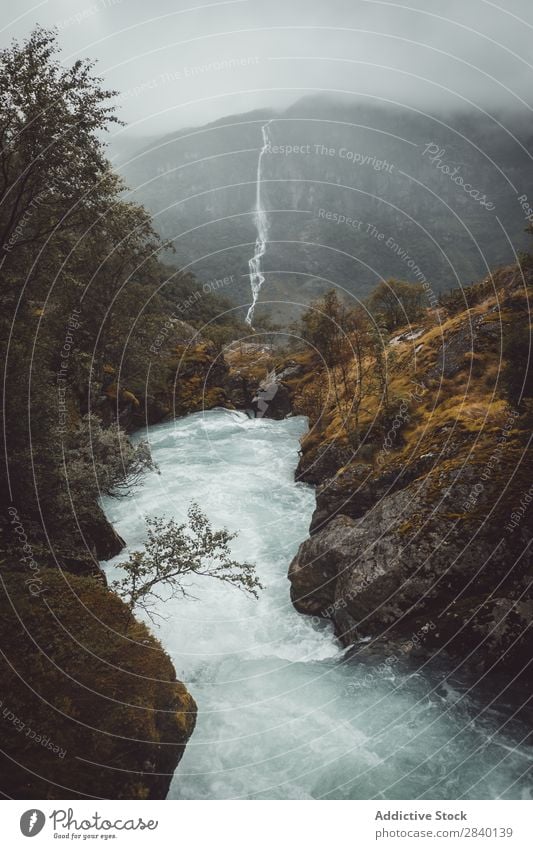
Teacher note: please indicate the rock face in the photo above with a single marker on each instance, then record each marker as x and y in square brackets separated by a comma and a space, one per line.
[386, 573]
[105, 715]
[259, 384]
[322, 462]
[272, 400]
[410, 563]
[186, 166]
[422, 541]
[106, 541]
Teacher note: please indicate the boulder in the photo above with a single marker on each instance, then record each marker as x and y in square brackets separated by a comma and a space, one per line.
[322, 462]
[272, 401]
[412, 560]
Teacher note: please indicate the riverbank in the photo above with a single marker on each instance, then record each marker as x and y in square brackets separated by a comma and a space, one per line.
[413, 530]
[282, 712]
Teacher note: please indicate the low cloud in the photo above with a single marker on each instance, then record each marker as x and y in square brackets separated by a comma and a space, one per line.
[192, 62]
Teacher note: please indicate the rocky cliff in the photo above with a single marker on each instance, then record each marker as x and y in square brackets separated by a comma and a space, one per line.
[424, 527]
[90, 707]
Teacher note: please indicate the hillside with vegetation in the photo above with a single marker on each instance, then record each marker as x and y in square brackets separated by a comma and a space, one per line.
[91, 325]
[419, 446]
[420, 449]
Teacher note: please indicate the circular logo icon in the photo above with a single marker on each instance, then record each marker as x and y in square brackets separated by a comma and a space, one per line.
[32, 822]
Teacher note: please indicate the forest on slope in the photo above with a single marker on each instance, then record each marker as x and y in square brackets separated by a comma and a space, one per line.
[101, 334]
[84, 302]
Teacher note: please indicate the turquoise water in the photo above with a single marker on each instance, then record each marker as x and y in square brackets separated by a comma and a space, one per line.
[280, 714]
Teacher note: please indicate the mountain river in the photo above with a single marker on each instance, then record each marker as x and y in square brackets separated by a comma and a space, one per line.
[281, 714]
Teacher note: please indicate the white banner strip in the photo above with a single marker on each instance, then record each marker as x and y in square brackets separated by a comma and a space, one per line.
[269, 824]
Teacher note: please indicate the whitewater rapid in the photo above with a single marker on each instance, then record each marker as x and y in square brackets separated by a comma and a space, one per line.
[257, 277]
[281, 714]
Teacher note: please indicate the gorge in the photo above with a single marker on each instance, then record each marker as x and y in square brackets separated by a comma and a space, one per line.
[361, 421]
[282, 711]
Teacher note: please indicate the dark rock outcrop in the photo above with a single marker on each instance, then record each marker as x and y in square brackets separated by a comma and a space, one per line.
[105, 715]
[430, 535]
[272, 400]
[322, 462]
[409, 560]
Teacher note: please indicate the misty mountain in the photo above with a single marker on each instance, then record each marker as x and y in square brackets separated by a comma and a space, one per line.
[354, 193]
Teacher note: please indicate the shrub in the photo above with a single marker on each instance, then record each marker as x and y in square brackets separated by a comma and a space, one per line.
[397, 303]
[176, 552]
[103, 461]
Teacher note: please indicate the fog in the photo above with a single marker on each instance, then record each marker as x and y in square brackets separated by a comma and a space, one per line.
[184, 63]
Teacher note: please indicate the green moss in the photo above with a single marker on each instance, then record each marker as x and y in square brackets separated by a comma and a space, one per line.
[96, 683]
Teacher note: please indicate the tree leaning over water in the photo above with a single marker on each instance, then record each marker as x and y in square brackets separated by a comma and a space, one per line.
[175, 553]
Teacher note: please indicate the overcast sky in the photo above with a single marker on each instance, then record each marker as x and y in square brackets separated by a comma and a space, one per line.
[183, 62]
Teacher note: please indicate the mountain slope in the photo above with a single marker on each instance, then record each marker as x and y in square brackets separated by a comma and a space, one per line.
[354, 193]
[424, 529]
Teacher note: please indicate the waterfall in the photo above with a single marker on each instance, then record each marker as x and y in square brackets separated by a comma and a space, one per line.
[261, 222]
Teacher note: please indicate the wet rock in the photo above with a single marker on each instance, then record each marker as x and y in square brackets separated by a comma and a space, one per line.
[272, 401]
[321, 463]
[239, 391]
[408, 559]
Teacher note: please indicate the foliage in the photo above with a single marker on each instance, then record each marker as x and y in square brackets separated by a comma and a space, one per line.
[174, 553]
[351, 348]
[104, 459]
[397, 303]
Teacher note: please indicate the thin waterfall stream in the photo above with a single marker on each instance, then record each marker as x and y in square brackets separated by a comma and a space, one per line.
[257, 277]
[282, 714]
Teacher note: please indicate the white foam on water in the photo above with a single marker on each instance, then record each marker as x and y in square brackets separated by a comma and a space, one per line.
[280, 714]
